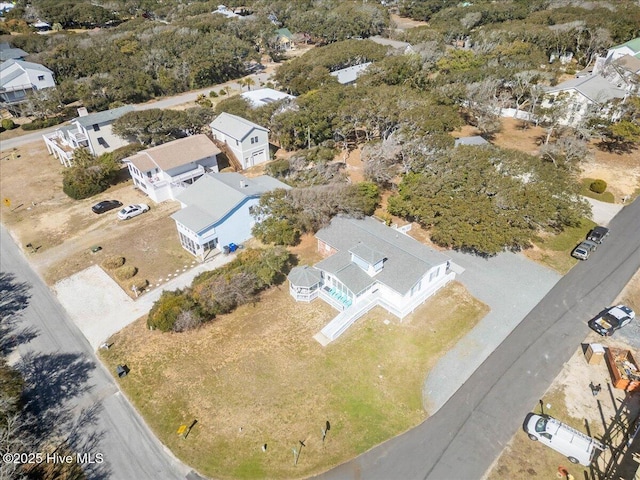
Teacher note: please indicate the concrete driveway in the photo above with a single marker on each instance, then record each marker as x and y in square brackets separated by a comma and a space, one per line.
[511, 285]
[100, 308]
[603, 212]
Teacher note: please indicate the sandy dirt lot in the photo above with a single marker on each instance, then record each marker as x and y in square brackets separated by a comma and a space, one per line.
[62, 230]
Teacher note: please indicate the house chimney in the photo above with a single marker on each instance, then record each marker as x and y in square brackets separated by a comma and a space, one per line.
[242, 184]
[82, 112]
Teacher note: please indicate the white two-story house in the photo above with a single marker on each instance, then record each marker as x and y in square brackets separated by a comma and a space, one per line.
[216, 210]
[17, 78]
[368, 264]
[578, 95]
[166, 170]
[248, 141]
[91, 131]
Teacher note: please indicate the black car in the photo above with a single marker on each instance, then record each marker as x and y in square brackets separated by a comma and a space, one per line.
[598, 234]
[105, 206]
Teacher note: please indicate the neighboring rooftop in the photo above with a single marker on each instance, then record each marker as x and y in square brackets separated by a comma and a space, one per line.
[106, 116]
[214, 195]
[389, 42]
[264, 96]
[633, 45]
[234, 126]
[7, 52]
[350, 74]
[628, 62]
[406, 260]
[595, 87]
[175, 154]
[474, 140]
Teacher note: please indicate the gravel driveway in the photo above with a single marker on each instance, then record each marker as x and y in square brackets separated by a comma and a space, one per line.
[511, 285]
[100, 308]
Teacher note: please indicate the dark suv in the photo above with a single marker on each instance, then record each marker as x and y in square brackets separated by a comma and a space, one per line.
[598, 234]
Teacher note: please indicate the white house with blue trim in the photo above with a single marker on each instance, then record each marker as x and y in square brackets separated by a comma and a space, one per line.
[216, 210]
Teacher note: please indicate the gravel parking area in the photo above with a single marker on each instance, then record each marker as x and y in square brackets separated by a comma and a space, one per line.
[100, 308]
[511, 285]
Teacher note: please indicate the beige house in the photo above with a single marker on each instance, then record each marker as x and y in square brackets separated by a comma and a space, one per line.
[166, 170]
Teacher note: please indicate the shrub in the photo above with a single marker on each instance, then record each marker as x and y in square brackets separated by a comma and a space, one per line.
[113, 262]
[139, 283]
[89, 175]
[598, 186]
[187, 320]
[8, 124]
[165, 311]
[125, 272]
[213, 94]
[41, 123]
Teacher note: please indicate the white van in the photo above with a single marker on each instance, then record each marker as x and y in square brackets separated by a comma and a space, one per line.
[575, 445]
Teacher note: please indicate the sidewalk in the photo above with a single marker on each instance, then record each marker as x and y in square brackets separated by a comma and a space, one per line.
[100, 308]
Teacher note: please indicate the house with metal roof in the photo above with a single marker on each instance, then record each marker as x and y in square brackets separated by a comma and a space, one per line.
[475, 140]
[91, 131]
[265, 96]
[18, 78]
[578, 95]
[164, 171]
[349, 75]
[632, 47]
[247, 141]
[368, 264]
[398, 46]
[216, 210]
[7, 52]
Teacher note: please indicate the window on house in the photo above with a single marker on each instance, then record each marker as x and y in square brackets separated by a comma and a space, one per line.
[96, 127]
[41, 78]
[254, 140]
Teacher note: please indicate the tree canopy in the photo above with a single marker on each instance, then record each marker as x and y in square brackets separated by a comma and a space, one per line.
[485, 200]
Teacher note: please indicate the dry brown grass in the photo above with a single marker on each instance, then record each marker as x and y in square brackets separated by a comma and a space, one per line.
[257, 376]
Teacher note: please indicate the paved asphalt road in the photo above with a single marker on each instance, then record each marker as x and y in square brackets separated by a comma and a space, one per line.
[464, 437]
[66, 378]
[167, 102]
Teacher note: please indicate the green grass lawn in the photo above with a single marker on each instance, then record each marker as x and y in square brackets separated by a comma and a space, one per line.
[257, 376]
[555, 251]
[603, 197]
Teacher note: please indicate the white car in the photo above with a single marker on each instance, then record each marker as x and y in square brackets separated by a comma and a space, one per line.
[132, 210]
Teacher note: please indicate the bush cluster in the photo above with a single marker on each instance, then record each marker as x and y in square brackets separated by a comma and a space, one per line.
[126, 272]
[220, 291]
[113, 262]
[8, 124]
[139, 284]
[598, 186]
[42, 123]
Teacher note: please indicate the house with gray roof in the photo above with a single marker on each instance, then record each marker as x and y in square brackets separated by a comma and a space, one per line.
[398, 46]
[578, 95]
[91, 131]
[368, 264]
[18, 78]
[349, 75]
[216, 210]
[265, 96]
[247, 141]
[162, 172]
[475, 141]
[7, 52]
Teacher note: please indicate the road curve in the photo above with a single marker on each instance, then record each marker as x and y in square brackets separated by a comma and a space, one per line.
[464, 437]
[129, 448]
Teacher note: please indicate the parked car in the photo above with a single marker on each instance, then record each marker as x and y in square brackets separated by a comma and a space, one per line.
[611, 319]
[585, 249]
[575, 445]
[132, 211]
[598, 234]
[105, 206]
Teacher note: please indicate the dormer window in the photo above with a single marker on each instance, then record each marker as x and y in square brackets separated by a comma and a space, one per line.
[368, 259]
